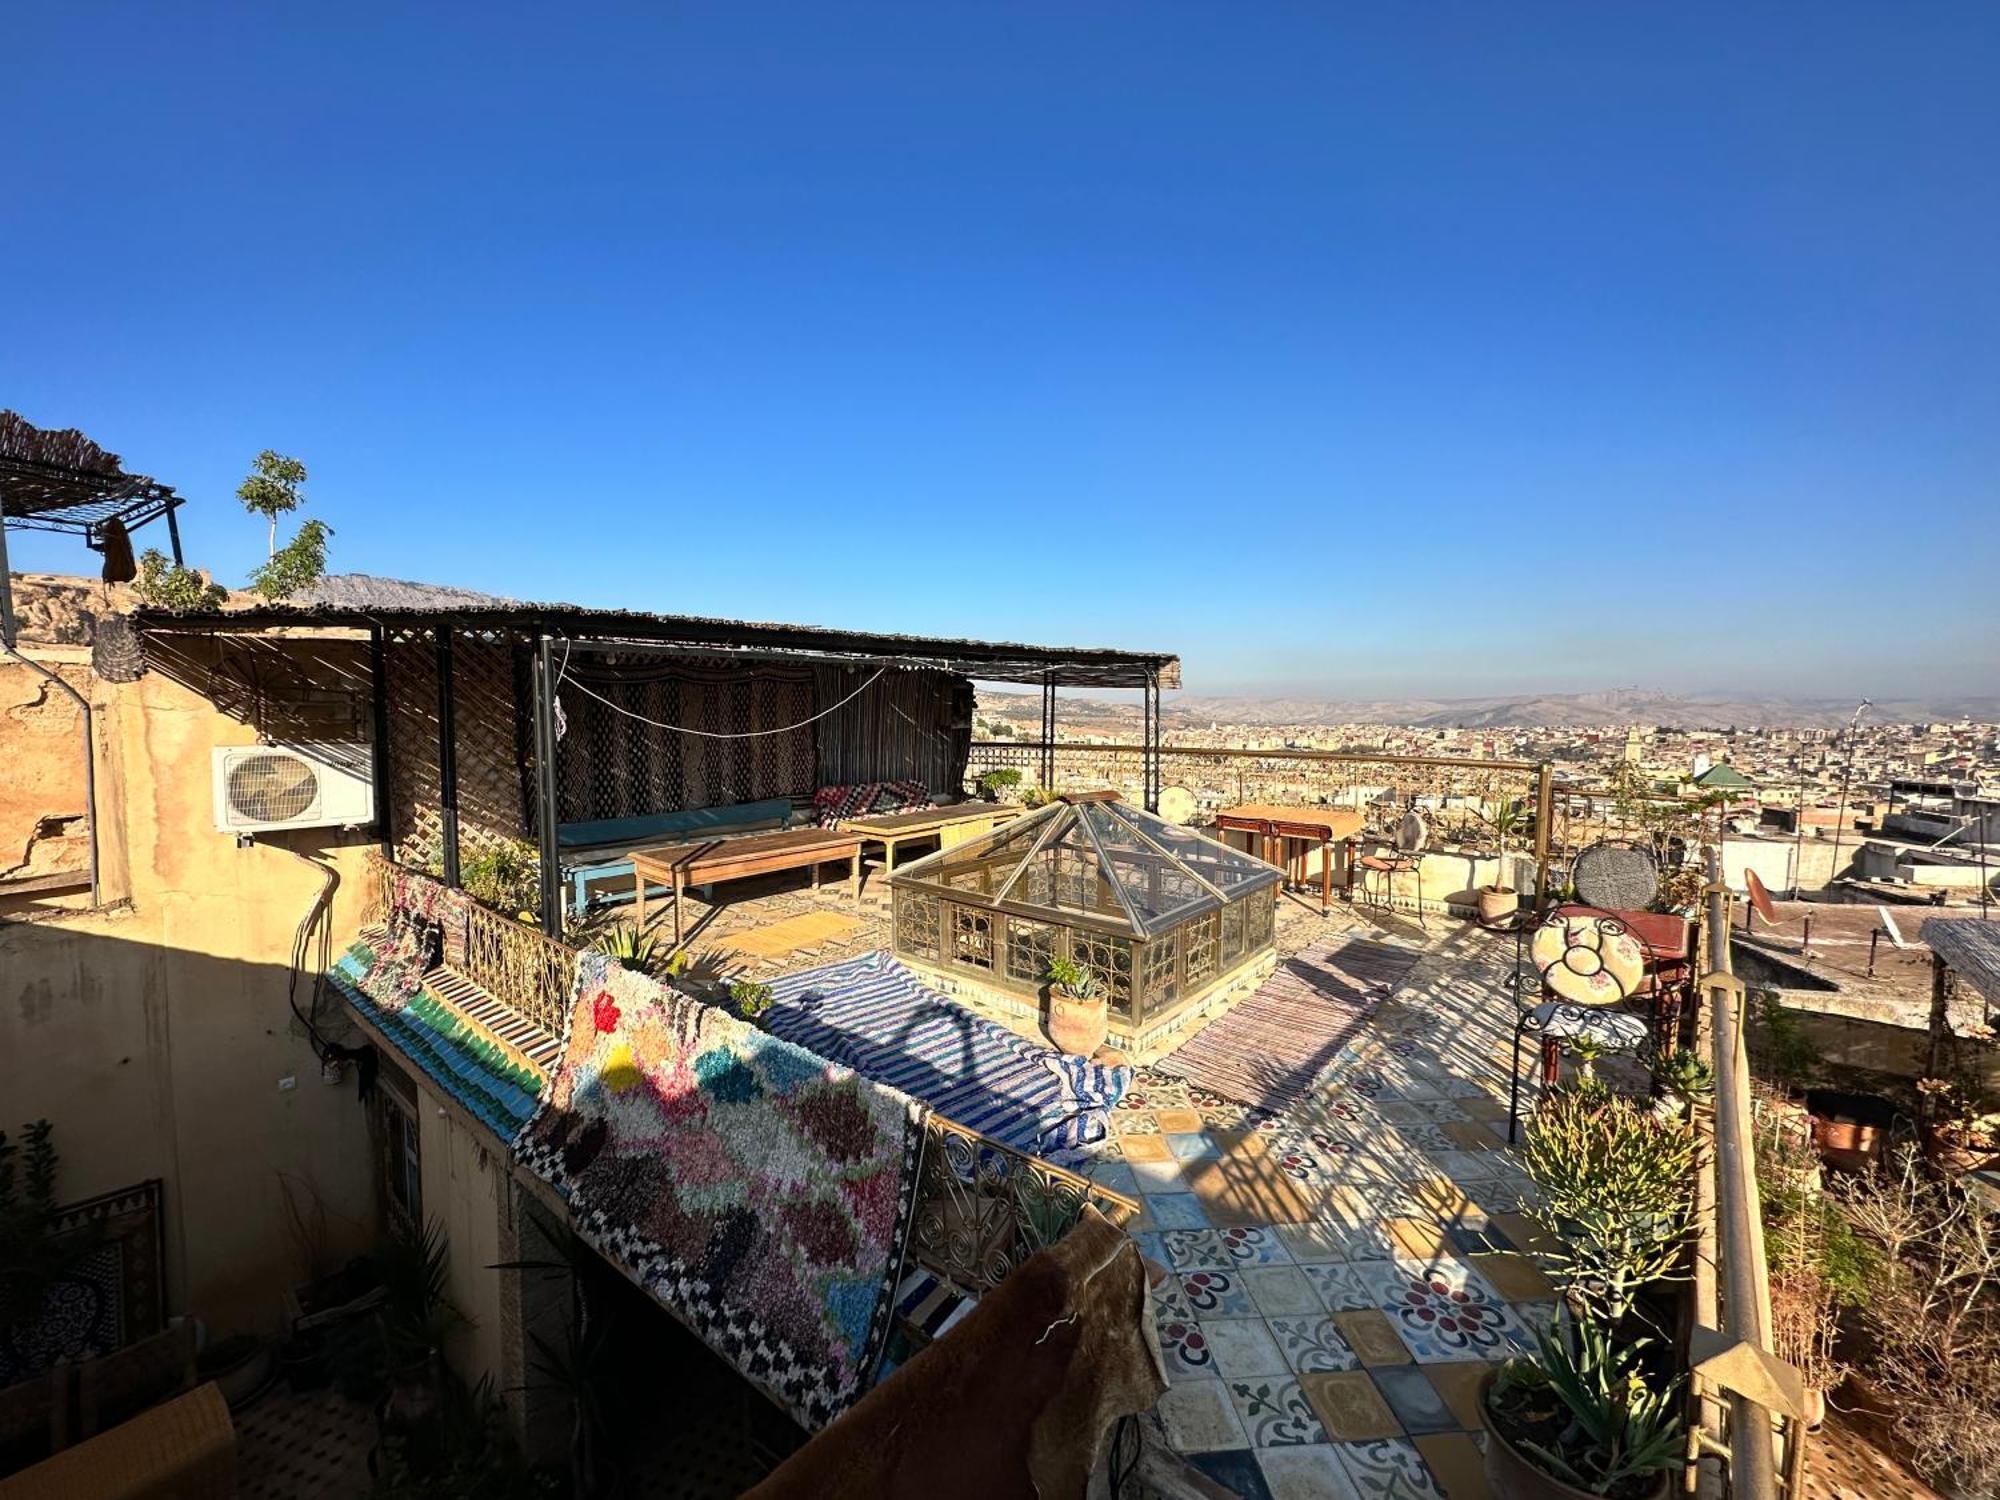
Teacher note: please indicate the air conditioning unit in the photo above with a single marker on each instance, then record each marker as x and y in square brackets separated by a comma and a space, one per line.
[263, 787]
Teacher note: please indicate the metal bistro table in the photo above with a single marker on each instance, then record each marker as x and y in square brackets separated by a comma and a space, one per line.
[1276, 829]
[708, 861]
[950, 826]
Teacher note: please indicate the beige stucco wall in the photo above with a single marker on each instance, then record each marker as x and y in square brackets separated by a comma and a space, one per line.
[41, 787]
[156, 1034]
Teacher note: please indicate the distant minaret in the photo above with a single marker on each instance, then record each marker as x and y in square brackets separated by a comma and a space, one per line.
[1632, 746]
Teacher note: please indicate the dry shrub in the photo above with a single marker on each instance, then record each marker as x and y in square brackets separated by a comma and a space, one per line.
[1932, 1312]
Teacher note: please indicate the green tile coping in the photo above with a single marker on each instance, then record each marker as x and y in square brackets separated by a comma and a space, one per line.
[476, 1071]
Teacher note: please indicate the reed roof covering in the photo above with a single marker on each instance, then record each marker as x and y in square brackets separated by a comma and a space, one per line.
[625, 630]
[56, 479]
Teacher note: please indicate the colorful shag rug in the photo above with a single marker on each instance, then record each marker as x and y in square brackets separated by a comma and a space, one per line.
[756, 1190]
[426, 921]
[875, 1015]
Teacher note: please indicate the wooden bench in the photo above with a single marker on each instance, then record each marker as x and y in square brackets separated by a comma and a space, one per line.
[711, 861]
[595, 865]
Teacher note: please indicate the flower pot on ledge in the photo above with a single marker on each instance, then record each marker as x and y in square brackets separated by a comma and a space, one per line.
[1951, 1151]
[1496, 903]
[1078, 1027]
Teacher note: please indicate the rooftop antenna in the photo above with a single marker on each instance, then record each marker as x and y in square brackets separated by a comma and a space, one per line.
[1846, 772]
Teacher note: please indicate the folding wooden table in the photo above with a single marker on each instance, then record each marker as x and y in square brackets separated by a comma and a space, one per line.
[1276, 828]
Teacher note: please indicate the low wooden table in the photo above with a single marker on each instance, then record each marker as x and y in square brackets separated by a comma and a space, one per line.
[710, 861]
[1274, 826]
[950, 826]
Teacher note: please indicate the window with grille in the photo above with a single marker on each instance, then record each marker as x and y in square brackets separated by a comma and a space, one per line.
[1030, 946]
[971, 938]
[1159, 977]
[1235, 930]
[917, 924]
[1111, 957]
[1201, 939]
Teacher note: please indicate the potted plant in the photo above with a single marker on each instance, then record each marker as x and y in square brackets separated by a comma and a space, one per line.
[1617, 1187]
[1585, 1051]
[631, 948]
[1580, 1419]
[1079, 1016]
[749, 999]
[1957, 1136]
[1499, 901]
[1848, 1128]
[1687, 1082]
[993, 783]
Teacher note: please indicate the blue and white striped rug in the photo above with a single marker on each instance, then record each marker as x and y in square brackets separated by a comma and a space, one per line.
[873, 1015]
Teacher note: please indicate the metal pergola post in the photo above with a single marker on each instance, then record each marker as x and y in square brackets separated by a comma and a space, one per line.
[174, 534]
[378, 712]
[1048, 732]
[1151, 758]
[447, 758]
[545, 785]
[6, 586]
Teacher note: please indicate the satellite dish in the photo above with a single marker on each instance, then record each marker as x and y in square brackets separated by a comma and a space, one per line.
[1760, 899]
[1177, 805]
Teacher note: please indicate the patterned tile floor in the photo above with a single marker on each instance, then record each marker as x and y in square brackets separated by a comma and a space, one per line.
[1343, 1273]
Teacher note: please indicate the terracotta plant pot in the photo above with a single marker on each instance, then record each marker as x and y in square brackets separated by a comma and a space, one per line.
[1512, 1475]
[1496, 903]
[1949, 1151]
[1847, 1143]
[1078, 1027]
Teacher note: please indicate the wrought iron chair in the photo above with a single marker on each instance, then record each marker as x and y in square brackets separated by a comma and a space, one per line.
[1622, 879]
[1405, 856]
[1573, 977]
[1614, 875]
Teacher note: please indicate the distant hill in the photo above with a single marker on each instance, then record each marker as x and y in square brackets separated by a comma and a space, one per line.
[1609, 708]
[367, 591]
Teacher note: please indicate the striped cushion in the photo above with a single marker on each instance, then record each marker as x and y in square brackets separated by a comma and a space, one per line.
[873, 1015]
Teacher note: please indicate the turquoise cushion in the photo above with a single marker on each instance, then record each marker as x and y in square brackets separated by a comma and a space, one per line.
[654, 827]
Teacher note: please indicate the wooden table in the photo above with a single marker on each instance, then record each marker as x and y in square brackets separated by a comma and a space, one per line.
[1273, 826]
[708, 861]
[950, 826]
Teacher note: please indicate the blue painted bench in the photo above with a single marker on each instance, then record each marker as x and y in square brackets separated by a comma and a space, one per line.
[594, 862]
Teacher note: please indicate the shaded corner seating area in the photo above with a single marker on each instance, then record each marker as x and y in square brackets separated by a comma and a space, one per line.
[712, 749]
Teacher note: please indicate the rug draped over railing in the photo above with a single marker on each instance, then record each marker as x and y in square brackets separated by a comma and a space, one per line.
[759, 1192]
[874, 1015]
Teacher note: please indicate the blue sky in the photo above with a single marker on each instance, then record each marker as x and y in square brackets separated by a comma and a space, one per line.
[1343, 349]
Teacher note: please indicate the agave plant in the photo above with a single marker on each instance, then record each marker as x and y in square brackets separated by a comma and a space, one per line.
[632, 948]
[1074, 980]
[1616, 1427]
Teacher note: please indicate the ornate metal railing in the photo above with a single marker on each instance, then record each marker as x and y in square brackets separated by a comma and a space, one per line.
[1458, 796]
[521, 967]
[983, 1207]
[518, 965]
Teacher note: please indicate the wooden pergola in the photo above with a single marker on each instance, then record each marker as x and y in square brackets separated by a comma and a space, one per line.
[555, 633]
[56, 479]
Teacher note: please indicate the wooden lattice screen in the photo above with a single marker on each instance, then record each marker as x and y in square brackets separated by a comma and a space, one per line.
[490, 715]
